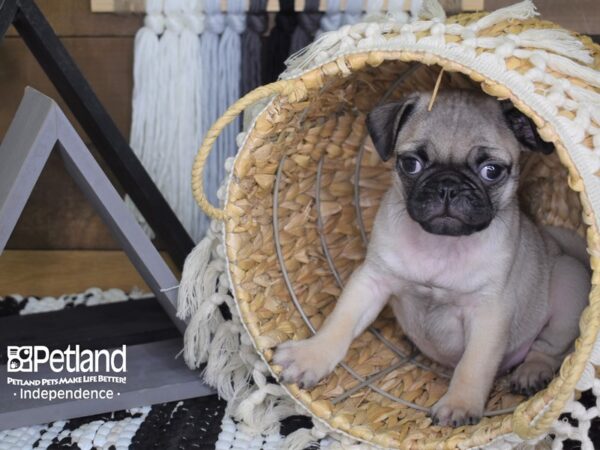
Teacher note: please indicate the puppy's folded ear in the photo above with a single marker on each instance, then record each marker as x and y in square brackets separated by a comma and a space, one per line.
[524, 129]
[385, 122]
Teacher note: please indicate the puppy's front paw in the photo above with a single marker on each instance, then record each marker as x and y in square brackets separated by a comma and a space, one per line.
[456, 411]
[304, 362]
[531, 377]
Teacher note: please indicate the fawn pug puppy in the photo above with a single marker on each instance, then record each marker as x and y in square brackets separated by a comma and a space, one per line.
[471, 280]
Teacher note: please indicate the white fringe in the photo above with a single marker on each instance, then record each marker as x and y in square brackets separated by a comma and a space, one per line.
[431, 9]
[374, 11]
[145, 85]
[557, 41]
[300, 439]
[190, 294]
[521, 11]
[568, 67]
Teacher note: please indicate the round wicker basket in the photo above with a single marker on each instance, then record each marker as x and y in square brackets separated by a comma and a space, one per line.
[306, 184]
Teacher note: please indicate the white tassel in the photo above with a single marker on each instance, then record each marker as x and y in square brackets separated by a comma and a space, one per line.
[209, 51]
[520, 11]
[584, 96]
[353, 12]
[374, 11]
[228, 85]
[325, 44]
[300, 439]
[258, 411]
[431, 9]
[189, 118]
[415, 9]
[568, 67]
[168, 98]
[556, 41]
[145, 89]
[396, 12]
[224, 361]
[332, 19]
[200, 329]
[190, 292]
[266, 404]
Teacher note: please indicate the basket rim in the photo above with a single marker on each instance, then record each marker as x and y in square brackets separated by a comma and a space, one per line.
[534, 416]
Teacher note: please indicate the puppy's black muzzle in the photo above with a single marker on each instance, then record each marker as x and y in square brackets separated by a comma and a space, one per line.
[449, 202]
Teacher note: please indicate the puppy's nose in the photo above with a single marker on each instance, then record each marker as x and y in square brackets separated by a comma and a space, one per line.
[447, 190]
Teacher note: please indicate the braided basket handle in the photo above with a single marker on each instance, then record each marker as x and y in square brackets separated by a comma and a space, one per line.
[278, 87]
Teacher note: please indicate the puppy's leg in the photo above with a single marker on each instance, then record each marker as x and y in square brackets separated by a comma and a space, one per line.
[306, 362]
[569, 289]
[486, 337]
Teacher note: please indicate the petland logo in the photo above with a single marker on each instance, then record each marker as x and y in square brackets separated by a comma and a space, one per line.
[30, 358]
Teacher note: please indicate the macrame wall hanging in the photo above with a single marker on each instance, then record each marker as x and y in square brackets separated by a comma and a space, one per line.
[166, 101]
[277, 46]
[256, 26]
[190, 64]
[308, 25]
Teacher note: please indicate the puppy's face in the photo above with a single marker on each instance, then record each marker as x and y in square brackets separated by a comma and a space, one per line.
[456, 165]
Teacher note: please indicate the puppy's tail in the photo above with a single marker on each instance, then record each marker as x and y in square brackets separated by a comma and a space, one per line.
[570, 243]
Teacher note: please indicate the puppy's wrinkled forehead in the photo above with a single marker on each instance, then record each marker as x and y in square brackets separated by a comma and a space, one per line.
[461, 122]
[458, 123]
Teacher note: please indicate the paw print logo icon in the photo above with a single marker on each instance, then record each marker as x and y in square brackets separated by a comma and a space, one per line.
[20, 359]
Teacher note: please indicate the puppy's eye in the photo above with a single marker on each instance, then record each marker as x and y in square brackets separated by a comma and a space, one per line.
[491, 172]
[411, 166]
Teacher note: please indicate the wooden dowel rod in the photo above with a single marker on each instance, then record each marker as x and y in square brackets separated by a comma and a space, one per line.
[137, 6]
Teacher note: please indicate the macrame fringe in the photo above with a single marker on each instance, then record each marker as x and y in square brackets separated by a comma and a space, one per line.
[519, 11]
[396, 13]
[190, 116]
[277, 45]
[232, 365]
[332, 19]
[145, 82]
[374, 11]
[555, 41]
[415, 9]
[431, 9]
[353, 12]
[192, 278]
[308, 25]
[214, 25]
[228, 82]
[165, 150]
[256, 25]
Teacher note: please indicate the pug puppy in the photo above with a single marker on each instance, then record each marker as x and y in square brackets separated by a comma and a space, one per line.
[471, 280]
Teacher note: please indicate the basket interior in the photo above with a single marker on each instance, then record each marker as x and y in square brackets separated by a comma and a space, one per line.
[307, 192]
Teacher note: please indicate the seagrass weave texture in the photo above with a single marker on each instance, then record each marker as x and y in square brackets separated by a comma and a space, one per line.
[300, 205]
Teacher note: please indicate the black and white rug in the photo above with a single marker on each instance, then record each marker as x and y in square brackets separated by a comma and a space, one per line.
[198, 423]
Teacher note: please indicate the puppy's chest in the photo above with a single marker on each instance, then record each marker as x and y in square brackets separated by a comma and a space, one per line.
[434, 320]
[456, 268]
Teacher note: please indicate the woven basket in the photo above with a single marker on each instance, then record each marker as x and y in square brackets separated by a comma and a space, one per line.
[306, 184]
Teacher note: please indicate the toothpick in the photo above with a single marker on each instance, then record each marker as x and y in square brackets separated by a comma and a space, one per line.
[436, 88]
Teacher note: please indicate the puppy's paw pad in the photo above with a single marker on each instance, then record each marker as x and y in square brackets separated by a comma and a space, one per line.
[303, 362]
[531, 377]
[447, 413]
